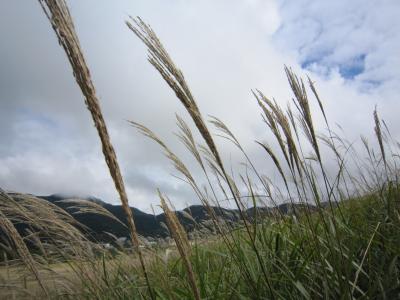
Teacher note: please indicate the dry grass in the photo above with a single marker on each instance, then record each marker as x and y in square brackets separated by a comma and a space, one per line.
[345, 250]
[161, 60]
[182, 243]
[58, 14]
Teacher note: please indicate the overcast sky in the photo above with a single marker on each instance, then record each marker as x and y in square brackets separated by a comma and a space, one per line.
[48, 143]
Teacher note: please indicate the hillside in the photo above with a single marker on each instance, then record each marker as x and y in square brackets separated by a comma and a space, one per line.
[195, 217]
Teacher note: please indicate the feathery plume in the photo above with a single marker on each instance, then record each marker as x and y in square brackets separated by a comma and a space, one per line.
[58, 14]
[181, 241]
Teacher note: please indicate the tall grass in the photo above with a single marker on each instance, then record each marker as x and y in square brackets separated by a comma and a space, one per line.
[58, 14]
[310, 182]
[338, 239]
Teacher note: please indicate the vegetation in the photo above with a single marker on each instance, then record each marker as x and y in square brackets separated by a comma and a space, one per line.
[346, 246]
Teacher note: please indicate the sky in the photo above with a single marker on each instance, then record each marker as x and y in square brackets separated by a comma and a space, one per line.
[225, 48]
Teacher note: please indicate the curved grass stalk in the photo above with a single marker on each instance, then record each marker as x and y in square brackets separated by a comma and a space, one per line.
[58, 14]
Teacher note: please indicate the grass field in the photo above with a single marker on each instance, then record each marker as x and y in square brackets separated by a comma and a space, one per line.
[18, 283]
[299, 266]
[343, 243]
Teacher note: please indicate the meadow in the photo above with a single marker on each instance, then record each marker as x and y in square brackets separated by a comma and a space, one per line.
[340, 240]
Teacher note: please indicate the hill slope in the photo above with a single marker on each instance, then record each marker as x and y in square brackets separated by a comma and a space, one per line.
[148, 225]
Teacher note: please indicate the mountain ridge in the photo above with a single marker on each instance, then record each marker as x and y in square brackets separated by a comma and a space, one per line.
[194, 217]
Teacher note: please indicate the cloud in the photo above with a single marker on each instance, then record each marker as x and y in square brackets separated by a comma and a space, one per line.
[356, 37]
[225, 49]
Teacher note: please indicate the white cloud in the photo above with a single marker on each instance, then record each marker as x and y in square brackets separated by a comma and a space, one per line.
[225, 48]
[336, 33]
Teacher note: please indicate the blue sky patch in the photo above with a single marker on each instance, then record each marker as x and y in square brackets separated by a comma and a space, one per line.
[40, 118]
[348, 69]
[352, 68]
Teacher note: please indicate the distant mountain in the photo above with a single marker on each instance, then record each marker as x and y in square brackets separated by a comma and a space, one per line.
[148, 225]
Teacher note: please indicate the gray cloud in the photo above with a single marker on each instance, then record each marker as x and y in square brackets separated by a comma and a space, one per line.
[225, 48]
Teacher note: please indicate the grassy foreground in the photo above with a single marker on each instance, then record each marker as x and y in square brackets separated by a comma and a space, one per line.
[357, 259]
[341, 239]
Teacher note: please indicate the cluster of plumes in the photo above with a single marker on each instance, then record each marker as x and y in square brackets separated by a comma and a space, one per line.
[160, 59]
[286, 126]
[19, 245]
[303, 107]
[278, 122]
[283, 125]
[173, 76]
[46, 227]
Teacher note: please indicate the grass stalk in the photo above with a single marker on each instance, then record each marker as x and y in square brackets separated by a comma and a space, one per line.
[59, 16]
